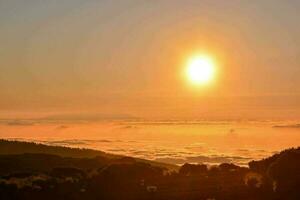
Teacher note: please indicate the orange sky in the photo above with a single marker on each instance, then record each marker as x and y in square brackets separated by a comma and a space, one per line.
[125, 57]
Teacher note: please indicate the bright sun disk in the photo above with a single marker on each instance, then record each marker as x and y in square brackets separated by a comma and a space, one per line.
[200, 69]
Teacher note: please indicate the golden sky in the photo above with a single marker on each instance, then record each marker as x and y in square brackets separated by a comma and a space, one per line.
[126, 57]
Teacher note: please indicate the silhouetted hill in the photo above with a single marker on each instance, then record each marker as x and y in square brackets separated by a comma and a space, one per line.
[36, 174]
[46, 162]
[282, 170]
[8, 147]
[262, 166]
[19, 147]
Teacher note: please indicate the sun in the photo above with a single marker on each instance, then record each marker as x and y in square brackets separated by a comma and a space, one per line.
[200, 69]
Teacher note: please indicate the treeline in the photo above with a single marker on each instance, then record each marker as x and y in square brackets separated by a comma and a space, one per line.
[44, 176]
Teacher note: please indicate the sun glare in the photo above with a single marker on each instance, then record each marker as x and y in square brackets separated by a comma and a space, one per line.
[200, 69]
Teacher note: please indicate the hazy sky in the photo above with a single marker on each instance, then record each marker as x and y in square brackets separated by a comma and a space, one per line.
[125, 57]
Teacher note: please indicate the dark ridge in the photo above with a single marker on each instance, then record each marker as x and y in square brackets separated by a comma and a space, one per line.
[37, 175]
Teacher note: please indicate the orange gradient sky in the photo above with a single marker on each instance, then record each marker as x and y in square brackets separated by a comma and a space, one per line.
[126, 57]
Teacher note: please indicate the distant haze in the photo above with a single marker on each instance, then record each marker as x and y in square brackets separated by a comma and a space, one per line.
[125, 58]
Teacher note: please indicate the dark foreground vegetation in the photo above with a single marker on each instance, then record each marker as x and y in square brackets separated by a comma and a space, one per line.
[45, 174]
